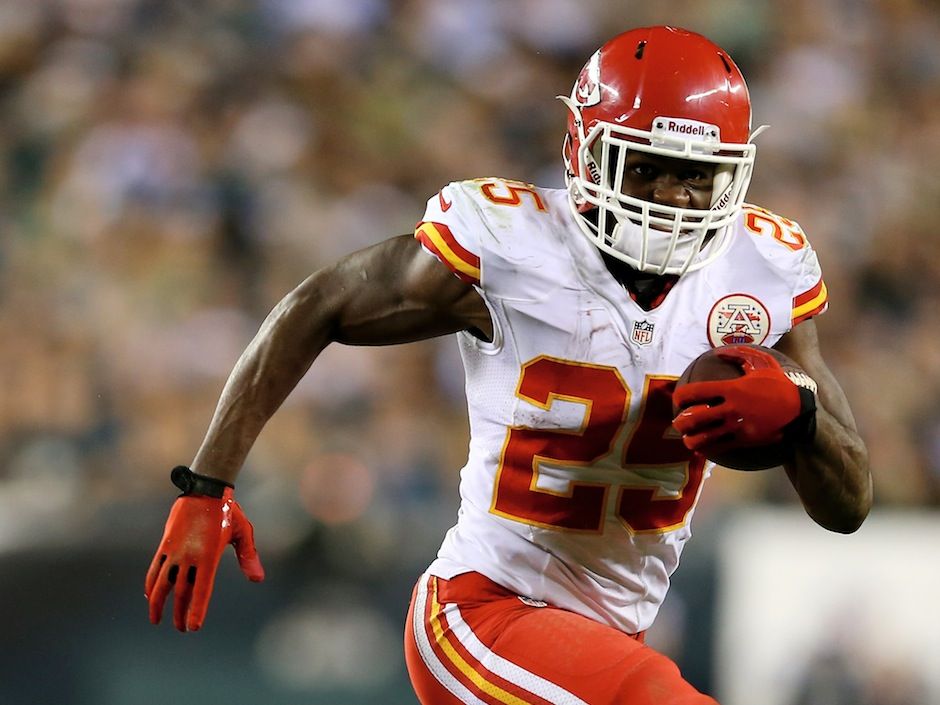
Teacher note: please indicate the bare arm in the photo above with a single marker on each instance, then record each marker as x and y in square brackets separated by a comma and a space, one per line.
[390, 293]
[831, 474]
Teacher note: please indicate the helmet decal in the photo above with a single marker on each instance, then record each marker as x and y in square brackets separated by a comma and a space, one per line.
[587, 90]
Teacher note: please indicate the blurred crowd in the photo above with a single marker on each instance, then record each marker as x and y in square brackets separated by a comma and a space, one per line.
[171, 169]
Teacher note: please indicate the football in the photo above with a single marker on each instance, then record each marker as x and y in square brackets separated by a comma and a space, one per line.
[709, 367]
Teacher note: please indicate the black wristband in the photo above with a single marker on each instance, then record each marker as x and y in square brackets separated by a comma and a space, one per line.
[192, 483]
[803, 428]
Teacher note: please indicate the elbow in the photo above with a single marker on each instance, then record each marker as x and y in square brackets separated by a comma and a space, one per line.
[306, 317]
[848, 522]
[845, 503]
[850, 514]
[859, 502]
[861, 511]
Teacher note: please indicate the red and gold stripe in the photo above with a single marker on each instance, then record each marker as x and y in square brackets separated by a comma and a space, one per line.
[438, 238]
[810, 303]
[479, 680]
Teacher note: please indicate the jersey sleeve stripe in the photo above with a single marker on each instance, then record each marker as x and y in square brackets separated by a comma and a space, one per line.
[808, 295]
[438, 238]
[810, 303]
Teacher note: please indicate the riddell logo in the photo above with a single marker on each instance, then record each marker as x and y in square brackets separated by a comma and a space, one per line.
[674, 126]
[687, 128]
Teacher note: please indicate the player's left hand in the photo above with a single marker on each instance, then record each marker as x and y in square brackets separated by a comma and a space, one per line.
[197, 531]
[762, 407]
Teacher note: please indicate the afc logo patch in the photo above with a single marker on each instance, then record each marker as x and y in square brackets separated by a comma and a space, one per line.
[737, 319]
[642, 332]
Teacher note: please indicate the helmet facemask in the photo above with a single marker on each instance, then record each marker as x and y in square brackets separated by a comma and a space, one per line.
[652, 237]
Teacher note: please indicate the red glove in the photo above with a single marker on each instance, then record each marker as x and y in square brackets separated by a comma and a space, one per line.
[196, 533]
[762, 407]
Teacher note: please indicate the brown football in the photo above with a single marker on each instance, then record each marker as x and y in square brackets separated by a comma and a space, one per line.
[708, 367]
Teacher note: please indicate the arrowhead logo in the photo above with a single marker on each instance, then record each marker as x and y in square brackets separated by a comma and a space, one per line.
[587, 90]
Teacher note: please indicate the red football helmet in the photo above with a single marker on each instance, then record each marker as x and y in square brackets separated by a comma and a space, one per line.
[668, 92]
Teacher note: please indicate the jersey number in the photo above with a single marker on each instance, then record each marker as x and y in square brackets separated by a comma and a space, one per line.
[783, 230]
[509, 193]
[644, 506]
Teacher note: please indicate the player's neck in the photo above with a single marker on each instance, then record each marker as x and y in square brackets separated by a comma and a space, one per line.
[647, 290]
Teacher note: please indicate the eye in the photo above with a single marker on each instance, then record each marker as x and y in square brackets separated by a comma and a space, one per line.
[696, 176]
[644, 170]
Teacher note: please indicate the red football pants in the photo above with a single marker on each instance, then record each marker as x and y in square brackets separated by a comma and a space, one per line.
[469, 641]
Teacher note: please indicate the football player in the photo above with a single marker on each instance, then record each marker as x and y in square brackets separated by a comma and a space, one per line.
[576, 310]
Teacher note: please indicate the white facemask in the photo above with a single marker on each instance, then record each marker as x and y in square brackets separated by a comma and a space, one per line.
[631, 239]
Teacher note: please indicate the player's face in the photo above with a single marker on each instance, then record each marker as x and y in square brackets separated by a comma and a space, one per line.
[668, 181]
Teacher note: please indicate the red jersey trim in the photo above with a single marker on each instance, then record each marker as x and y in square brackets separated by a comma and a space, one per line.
[439, 239]
[810, 303]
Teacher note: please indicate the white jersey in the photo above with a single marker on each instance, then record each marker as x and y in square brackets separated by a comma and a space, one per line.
[577, 490]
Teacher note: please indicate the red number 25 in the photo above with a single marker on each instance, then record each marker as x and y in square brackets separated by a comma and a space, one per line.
[658, 502]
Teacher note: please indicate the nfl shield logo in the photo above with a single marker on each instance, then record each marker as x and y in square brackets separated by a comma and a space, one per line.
[642, 333]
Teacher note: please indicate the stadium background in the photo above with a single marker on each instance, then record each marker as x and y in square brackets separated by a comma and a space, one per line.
[171, 169]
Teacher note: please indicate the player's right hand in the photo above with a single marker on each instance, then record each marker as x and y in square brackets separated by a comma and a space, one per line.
[197, 531]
